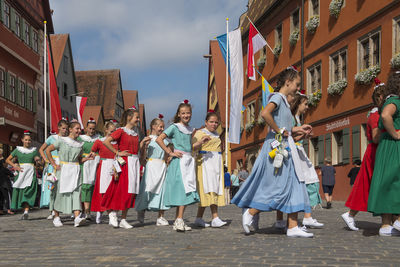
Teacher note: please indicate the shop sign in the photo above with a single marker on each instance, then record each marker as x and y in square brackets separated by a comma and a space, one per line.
[11, 112]
[337, 124]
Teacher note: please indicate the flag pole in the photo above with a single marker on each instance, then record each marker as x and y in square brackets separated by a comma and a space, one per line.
[226, 91]
[45, 79]
[259, 33]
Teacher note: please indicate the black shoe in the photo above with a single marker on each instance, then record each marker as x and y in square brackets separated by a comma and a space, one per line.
[328, 205]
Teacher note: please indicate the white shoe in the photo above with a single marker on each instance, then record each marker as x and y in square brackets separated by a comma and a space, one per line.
[140, 216]
[280, 224]
[179, 225]
[389, 231]
[162, 222]
[124, 224]
[396, 225]
[199, 222]
[297, 232]
[78, 221]
[217, 222]
[113, 220]
[256, 219]
[98, 217]
[57, 222]
[187, 228]
[312, 223]
[25, 216]
[247, 220]
[349, 221]
[51, 216]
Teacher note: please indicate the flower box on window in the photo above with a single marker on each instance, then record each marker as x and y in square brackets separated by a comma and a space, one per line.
[366, 76]
[395, 61]
[337, 88]
[294, 37]
[249, 126]
[277, 50]
[335, 7]
[312, 24]
[314, 98]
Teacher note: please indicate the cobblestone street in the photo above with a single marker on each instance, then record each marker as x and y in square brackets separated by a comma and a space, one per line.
[37, 243]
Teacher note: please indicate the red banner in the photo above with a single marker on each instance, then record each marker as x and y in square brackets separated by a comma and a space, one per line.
[55, 107]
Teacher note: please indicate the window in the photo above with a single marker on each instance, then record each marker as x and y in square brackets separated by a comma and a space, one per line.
[17, 24]
[337, 148]
[251, 116]
[314, 8]
[295, 20]
[338, 68]
[396, 35]
[7, 16]
[65, 90]
[356, 142]
[35, 44]
[65, 65]
[21, 96]
[278, 34]
[314, 78]
[2, 83]
[369, 50]
[29, 100]
[314, 151]
[12, 88]
[27, 34]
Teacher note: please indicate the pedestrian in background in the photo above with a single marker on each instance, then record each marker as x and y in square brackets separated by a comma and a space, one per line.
[234, 183]
[5, 187]
[328, 173]
[227, 177]
[354, 171]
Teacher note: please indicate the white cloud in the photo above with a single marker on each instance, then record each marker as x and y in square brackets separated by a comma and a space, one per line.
[142, 34]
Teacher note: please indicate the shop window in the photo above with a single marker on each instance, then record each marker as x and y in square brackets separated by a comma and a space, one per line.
[337, 148]
[369, 50]
[313, 8]
[321, 152]
[2, 83]
[278, 35]
[313, 151]
[338, 66]
[356, 142]
[328, 145]
[346, 146]
[314, 78]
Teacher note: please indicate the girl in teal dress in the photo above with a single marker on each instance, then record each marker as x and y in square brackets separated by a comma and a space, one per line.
[88, 169]
[47, 198]
[180, 181]
[67, 189]
[25, 183]
[152, 185]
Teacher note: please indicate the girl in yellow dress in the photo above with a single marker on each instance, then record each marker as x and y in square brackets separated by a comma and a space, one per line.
[210, 171]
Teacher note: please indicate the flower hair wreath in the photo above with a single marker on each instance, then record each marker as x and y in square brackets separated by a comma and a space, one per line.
[91, 120]
[292, 67]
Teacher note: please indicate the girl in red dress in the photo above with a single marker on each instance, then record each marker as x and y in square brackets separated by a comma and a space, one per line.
[105, 170]
[358, 198]
[120, 194]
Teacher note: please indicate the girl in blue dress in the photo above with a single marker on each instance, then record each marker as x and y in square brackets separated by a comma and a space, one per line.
[180, 181]
[272, 186]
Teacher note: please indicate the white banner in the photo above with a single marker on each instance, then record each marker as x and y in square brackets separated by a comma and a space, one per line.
[236, 69]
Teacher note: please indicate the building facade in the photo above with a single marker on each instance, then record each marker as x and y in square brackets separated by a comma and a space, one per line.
[65, 74]
[21, 69]
[329, 47]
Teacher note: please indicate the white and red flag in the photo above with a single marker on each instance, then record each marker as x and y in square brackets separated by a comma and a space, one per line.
[80, 107]
[55, 108]
[256, 42]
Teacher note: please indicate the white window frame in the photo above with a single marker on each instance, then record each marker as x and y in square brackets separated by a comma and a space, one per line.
[396, 35]
[21, 85]
[7, 16]
[312, 150]
[12, 91]
[278, 40]
[35, 45]
[311, 8]
[337, 148]
[18, 25]
[27, 34]
[342, 75]
[251, 112]
[368, 39]
[311, 75]
[292, 26]
[29, 99]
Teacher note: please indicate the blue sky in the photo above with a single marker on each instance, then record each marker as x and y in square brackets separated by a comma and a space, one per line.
[157, 44]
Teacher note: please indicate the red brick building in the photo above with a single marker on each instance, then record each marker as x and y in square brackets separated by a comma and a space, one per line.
[21, 68]
[329, 51]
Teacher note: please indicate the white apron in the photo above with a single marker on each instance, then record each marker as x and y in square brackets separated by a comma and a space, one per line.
[69, 176]
[133, 174]
[188, 171]
[89, 170]
[25, 176]
[212, 172]
[155, 175]
[296, 160]
[106, 174]
[310, 175]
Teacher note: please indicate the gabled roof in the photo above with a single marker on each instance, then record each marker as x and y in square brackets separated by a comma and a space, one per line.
[130, 97]
[95, 112]
[58, 43]
[100, 87]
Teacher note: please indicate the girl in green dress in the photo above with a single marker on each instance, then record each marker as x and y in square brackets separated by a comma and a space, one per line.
[384, 197]
[25, 185]
[67, 191]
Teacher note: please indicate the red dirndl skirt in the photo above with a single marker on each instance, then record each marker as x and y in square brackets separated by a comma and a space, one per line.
[358, 198]
[117, 196]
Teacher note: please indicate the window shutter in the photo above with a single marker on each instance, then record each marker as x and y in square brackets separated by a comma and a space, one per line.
[320, 150]
[12, 19]
[2, 10]
[346, 145]
[31, 36]
[7, 86]
[27, 89]
[356, 142]
[35, 92]
[328, 145]
[17, 92]
[23, 25]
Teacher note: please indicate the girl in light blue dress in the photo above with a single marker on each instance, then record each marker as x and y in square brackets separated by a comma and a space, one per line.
[152, 185]
[180, 181]
[273, 183]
